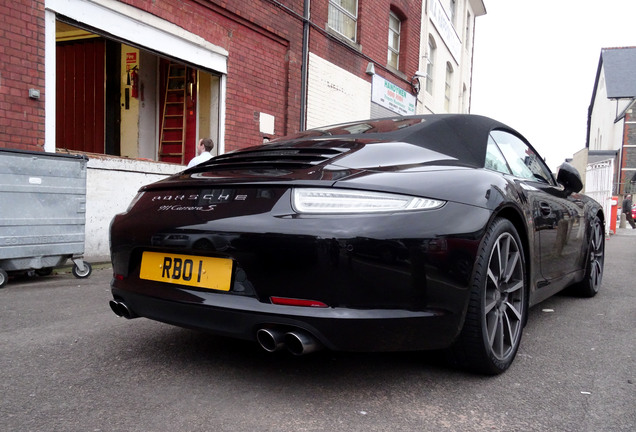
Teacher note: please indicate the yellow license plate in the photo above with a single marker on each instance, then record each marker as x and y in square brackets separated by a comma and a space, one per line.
[196, 271]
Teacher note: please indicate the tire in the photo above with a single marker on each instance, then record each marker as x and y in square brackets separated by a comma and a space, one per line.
[88, 269]
[594, 261]
[4, 278]
[497, 309]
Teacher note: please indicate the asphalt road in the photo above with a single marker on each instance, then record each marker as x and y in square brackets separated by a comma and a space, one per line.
[67, 363]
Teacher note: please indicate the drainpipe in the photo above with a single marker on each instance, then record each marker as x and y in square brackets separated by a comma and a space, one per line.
[304, 66]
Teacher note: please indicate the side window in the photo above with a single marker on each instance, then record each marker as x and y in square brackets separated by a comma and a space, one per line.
[522, 160]
[494, 159]
[343, 17]
[430, 64]
[395, 27]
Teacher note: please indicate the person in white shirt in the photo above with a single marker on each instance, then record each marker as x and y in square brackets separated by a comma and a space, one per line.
[204, 149]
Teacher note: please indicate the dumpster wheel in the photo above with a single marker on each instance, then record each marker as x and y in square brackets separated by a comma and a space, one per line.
[81, 274]
[4, 278]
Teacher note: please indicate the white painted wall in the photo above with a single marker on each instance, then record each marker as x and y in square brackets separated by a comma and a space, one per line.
[126, 22]
[460, 58]
[579, 161]
[111, 184]
[605, 134]
[335, 95]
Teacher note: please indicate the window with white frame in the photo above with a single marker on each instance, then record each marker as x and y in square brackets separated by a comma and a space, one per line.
[395, 25]
[447, 92]
[430, 64]
[343, 17]
[453, 12]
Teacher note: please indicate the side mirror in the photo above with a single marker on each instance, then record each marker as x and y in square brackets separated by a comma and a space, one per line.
[570, 178]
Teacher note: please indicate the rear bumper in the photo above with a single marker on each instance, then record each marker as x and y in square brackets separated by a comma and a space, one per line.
[392, 282]
[340, 329]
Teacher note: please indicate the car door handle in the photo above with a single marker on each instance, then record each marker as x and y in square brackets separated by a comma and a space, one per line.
[545, 209]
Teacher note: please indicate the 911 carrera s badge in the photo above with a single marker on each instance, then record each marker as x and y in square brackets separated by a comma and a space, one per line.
[186, 208]
[205, 201]
[207, 197]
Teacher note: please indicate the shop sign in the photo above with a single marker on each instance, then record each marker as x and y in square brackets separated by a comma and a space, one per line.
[392, 97]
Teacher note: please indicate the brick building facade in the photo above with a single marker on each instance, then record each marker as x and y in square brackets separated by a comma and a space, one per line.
[611, 120]
[628, 157]
[22, 68]
[264, 44]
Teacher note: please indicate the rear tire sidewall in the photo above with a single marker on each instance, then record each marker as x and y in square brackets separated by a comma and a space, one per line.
[587, 288]
[473, 343]
[501, 226]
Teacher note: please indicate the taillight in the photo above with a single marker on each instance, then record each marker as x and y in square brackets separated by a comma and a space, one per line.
[297, 302]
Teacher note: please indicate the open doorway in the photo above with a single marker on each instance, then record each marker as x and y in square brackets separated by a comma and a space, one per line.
[123, 100]
[188, 107]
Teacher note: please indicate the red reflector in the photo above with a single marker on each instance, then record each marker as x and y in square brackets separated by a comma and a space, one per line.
[297, 302]
[118, 276]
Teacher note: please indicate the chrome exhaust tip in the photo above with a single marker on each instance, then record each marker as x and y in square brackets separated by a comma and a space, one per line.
[115, 308]
[270, 340]
[300, 343]
[121, 309]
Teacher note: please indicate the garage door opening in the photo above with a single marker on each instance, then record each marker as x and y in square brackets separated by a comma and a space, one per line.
[121, 100]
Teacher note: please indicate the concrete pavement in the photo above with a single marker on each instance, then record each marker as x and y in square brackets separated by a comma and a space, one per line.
[627, 231]
[67, 363]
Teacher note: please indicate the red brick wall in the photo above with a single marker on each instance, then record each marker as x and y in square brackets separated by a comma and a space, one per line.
[628, 157]
[22, 68]
[264, 41]
[373, 32]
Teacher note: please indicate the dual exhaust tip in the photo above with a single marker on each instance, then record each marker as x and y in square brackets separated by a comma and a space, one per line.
[121, 309]
[297, 342]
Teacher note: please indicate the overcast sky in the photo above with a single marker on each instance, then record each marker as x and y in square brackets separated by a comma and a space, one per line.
[535, 65]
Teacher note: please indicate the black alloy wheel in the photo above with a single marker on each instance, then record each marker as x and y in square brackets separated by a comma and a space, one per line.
[595, 260]
[497, 309]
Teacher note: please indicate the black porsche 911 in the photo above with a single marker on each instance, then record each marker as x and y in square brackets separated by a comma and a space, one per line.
[409, 233]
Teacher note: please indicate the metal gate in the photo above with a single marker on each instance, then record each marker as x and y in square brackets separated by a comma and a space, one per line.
[599, 184]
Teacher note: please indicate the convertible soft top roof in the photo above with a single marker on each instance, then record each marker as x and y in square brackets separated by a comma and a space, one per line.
[463, 137]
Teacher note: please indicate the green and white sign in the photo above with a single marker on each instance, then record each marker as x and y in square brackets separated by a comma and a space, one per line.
[392, 97]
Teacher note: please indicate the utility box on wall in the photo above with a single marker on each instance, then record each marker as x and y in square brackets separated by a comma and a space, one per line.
[42, 212]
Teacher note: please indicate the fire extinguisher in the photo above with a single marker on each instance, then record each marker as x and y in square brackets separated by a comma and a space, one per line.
[134, 78]
[192, 98]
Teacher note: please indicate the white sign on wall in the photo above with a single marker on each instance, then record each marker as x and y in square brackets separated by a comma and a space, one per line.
[392, 97]
[445, 28]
